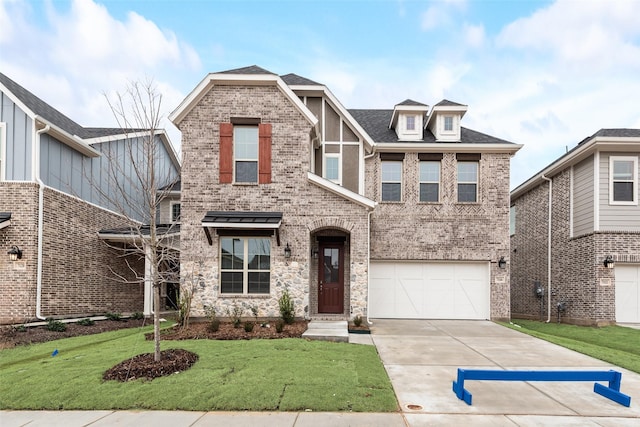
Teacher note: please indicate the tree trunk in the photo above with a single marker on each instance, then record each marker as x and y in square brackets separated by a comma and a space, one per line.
[156, 321]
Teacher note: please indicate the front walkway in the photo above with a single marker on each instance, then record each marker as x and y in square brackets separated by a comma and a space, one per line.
[422, 358]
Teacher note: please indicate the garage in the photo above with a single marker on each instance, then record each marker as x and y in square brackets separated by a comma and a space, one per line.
[627, 293]
[433, 290]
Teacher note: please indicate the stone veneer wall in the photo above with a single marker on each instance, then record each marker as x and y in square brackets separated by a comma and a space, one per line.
[578, 276]
[306, 208]
[448, 230]
[78, 268]
[18, 278]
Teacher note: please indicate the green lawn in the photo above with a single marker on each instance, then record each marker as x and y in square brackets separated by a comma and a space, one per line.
[614, 344]
[269, 375]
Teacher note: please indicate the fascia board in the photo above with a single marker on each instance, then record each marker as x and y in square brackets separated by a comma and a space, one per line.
[17, 101]
[365, 136]
[576, 155]
[340, 191]
[440, 147]
[297, 102]
[73, 141]
[234, 225]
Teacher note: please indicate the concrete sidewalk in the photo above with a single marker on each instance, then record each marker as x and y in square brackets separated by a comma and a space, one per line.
[422, 358]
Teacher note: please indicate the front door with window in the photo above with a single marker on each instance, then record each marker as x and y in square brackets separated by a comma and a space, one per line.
[331, 279]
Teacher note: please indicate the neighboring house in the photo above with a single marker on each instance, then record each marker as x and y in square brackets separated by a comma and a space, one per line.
[398, 213]
[54, 175]
[575, 235]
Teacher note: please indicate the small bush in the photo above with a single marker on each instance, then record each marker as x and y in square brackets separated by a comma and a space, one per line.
[137, 316]
[113, 316]
[213, 325]
[357, 321]
[279, 325]
[285, 304]
[86, 322]
[56, 326]
[235, 314]
[248, 326]
[20, 328]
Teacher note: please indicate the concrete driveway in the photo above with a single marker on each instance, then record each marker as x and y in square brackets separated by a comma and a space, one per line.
[422, 358]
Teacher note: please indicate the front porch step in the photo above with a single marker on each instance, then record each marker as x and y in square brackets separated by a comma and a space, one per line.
[327, 330]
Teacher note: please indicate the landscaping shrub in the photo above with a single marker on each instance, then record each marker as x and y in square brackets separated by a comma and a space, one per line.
[285, 304]
[137, 316]
[357, 321]
[56, 326]
[248, 326]
[86, 322]
[113, 316]
[279, 325]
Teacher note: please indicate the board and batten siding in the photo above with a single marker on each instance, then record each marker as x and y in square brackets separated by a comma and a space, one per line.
[583, 215]
[88, 178]
[615, 217]
[18, 137]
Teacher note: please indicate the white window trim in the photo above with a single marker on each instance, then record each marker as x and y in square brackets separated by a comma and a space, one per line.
[439, 181]
[453, 124]
[324, 166]
[3, 150]
[476, 182]
[401, 182]
[245, 266]
[239, 159]
[612, 160]
[171, 205]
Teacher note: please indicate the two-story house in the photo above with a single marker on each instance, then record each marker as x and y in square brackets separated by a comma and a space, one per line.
[59, 187]
[575, 235]
[398, 213]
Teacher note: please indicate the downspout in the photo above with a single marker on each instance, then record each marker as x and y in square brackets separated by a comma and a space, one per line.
[366, 157]
[40, 222]
[549, 248]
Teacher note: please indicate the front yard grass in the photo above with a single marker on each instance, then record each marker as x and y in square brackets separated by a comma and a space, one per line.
[613, 344]
[258, 375]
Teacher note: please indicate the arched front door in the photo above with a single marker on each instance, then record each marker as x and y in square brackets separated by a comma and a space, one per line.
[331, 278]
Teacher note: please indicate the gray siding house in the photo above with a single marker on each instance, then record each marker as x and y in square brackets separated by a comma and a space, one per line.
[58, 189]
[396, 213]
[576, 235]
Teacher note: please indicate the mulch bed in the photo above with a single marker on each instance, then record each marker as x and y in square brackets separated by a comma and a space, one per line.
[199, 330]
[144, 366]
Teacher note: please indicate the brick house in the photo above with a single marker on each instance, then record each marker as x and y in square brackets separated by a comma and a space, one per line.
[575, 235]
[398, 213]
[53, 173]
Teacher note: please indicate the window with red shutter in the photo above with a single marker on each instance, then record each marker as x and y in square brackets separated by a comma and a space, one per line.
[226, 153]
[264, 159]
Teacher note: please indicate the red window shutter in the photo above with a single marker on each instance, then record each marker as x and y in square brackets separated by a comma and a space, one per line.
[226, 153]
[264, 156]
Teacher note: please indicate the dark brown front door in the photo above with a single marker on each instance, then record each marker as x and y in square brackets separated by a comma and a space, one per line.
[331, 278]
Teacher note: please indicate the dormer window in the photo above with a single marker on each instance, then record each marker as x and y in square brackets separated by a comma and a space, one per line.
[448, 123]
[411, 123]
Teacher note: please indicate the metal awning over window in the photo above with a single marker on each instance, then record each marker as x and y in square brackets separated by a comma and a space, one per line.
[5, 219]
[263, 222]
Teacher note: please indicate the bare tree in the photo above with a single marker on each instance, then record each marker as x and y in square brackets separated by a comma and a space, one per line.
[137, 183]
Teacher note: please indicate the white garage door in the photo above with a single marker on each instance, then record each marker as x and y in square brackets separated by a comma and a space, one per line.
[410, 290]
[627, 293]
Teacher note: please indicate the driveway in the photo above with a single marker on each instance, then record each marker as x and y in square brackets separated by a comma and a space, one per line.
[422, 358]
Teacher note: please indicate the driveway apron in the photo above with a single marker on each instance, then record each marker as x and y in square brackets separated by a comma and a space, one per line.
[422, 358]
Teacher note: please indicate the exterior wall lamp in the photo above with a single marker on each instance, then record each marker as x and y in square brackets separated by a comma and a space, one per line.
[15, 253]
[608, 262]
[502, 263]
[287, 251]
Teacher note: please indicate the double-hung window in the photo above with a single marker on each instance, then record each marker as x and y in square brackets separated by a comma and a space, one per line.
[623, 178]
[245, 147]
[448, 124]
[391, 181]
[411, 123]
[429, 176]
[175, 212]
[245, 265]
[468, 177]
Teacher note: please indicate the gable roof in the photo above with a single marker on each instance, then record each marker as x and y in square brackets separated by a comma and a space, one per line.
[447, 103]
[296, 80]
[412, 103]
[251, 69]
[66, 129]
[621, 139]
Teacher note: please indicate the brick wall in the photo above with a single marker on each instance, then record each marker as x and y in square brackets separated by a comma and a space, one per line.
[448, 230]
[18, 278]
[307, 209]
[577, 269]
[76, 275]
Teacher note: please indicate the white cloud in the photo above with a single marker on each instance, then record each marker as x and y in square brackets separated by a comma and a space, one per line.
[474, 35]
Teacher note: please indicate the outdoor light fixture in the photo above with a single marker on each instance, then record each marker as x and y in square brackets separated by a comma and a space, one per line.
[15, 253]
[502, 263]
[608, 262]
[287, 251]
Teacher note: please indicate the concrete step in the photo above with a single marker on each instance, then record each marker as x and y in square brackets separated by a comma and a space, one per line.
[327, 330]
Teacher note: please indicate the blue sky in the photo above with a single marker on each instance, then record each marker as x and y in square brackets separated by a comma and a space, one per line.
[541, 73]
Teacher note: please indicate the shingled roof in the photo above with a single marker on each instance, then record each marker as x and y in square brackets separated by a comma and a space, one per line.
[296, 80]
[55, 117]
